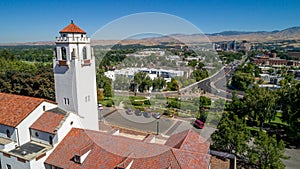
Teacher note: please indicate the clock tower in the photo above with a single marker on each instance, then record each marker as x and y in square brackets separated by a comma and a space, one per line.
[75, 75]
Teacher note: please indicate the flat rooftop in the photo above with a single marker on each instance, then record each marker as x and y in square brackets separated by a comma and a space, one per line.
[30, 150]
[4, 141]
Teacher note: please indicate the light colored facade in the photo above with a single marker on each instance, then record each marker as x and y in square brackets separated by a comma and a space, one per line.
[152, 73]
[74, 75]
[31, 128]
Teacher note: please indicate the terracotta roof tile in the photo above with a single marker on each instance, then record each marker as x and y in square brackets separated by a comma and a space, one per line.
[48, 122]
[176, 140]
[188, 140]
[72, 28]
[195, 142]
[15, 108]
[192, 160]
[111, 151]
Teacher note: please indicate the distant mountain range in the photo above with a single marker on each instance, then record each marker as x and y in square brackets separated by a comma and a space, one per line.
[292, 33]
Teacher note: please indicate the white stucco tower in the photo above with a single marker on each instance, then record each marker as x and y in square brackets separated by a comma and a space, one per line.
[75, 75]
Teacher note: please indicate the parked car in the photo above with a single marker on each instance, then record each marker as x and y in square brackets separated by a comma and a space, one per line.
[138, 112]
[129, 111]
[198, 124]
[100, 107]
[147, 114]
[156, 115]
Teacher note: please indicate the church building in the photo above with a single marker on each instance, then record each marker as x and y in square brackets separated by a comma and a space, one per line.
[37, 133]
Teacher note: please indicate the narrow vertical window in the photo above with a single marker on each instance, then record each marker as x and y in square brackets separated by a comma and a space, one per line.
[84, 54]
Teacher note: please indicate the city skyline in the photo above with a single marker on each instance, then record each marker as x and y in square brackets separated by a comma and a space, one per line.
[30, 21]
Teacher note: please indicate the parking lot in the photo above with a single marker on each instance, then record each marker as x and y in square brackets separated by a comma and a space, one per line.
[134, 122]
[167, 126]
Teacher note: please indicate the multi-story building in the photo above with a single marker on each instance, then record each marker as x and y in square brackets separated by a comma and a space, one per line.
[36, 133]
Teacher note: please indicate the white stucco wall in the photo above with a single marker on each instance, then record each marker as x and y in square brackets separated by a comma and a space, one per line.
[87, 95]
[23, 128]
[13, 162]
[67, 126]
[43, 137]
[77, 83]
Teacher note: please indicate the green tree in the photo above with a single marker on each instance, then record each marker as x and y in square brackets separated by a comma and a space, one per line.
[260, 103]
[158, 83]
[204, 101]
[267, 152]
[231, 136]
[173, 85]
[193, 63]
[6, 54]
[289, 101]
[199, 74]
[104, 83]
[242, 80]
[142, 80]
[237, 106]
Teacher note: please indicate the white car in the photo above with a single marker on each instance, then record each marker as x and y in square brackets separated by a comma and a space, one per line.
[100, 107]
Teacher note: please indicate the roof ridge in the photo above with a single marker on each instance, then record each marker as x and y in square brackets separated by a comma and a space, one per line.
[177, 161]
[185, 138]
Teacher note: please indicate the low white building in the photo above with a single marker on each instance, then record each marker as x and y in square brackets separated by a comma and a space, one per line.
[152, 73]
[30, 129]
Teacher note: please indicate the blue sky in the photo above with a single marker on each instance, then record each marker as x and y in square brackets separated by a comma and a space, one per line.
[41, 20]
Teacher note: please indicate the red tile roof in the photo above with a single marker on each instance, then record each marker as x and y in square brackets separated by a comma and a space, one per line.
[72, 28]
[48, 122]
[192, 160]
[189, 140]
[110, 151]
[15, 108]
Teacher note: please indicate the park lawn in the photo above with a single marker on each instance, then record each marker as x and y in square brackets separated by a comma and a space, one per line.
[277, 120]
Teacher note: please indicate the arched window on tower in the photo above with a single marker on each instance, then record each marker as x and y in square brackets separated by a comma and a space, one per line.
[63, 53]
[84, 54]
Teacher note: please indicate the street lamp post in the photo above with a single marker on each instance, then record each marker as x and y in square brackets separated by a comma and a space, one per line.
[157, 126]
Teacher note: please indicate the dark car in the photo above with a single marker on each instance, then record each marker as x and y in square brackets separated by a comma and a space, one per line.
[198, 124]
[147, 114]
[156, 115]
[138, 112]
[129, 111]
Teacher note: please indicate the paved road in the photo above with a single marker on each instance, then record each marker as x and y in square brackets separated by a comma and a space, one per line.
[217, 84]
[294, 161]
[140, 123]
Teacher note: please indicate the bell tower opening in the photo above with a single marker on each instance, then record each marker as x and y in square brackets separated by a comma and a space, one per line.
[63, 53]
